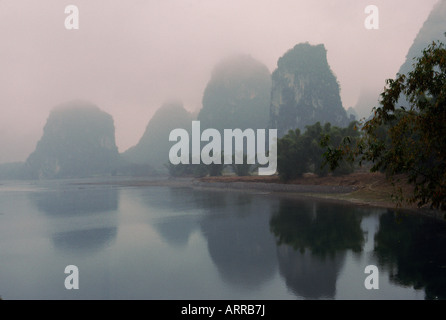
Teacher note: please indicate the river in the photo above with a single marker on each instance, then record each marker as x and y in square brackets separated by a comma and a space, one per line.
[161, 242]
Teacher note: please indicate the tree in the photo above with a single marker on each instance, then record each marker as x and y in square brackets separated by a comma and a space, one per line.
[409, 140]
[292, 160]
[243, 169]
[195, 170]
[179, 170]
[330, 139]
[300, 153]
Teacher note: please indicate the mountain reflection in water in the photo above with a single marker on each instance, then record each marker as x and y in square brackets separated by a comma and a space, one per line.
[182, 243]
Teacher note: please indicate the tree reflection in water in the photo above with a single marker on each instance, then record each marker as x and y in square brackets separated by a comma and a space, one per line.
[413, 250]
[312, 240]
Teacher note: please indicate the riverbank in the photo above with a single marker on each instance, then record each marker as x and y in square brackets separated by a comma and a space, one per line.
[361, 188]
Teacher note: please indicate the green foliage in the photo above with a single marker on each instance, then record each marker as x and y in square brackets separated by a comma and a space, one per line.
[199, 170]
[195, 170]
[179, 170]
[409, 140]
[291, 156]
[215, 169]
[300, 153]
[243, 169]
[333, 137]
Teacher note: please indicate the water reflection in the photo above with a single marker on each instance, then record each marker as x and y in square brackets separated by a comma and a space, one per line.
[251, 237]
[312, 241]
[83, 241]
[177, 214]
[75, 200]
[308, 275]
[82, 220]
[245, 242]
[413, 250]
[239, 241]
[235, 226]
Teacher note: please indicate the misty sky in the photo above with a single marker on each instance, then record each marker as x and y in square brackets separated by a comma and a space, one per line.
[128, 57]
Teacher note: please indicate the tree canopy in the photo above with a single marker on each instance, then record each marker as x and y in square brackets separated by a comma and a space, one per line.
[299, 153]
[409, 140]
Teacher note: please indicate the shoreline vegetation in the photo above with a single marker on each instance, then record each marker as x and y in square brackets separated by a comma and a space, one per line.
[359, 188]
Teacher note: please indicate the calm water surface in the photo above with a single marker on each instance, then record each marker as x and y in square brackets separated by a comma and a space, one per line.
[180, 243]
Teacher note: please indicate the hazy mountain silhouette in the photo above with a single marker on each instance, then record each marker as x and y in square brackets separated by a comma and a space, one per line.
[433, 29]
[237, 95]
[368, 99]
[305, 90]
[153, 147]
[78, 141]
[352, 114]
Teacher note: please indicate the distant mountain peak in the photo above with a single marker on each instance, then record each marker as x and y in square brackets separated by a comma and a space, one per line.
[154, 145]
[305, 90]
[78, 141]
[433, 29]
[237, 95]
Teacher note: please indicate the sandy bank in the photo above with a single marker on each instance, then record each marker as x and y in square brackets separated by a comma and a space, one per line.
[371, 189]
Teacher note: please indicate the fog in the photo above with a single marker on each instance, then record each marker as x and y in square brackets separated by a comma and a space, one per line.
[128, 57]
